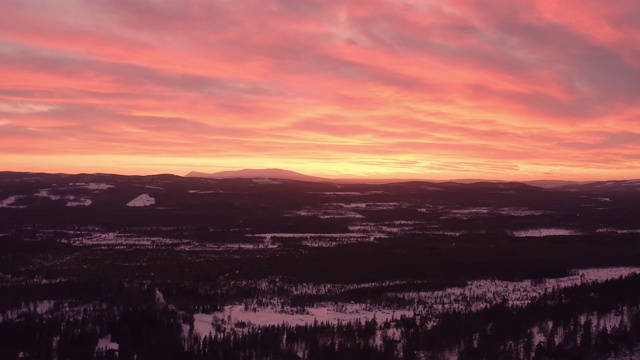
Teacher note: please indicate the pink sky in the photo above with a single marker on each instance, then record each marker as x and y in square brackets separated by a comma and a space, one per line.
[496, 89]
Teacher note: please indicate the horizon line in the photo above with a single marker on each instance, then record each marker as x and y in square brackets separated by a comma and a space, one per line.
[322, 178]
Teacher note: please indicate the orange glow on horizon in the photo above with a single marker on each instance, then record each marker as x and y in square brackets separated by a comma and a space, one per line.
[385, 89]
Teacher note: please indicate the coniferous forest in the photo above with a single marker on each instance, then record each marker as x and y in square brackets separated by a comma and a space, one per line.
[237, 269]
[599, 321]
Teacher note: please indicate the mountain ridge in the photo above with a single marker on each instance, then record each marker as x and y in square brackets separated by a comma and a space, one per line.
[271, 173]
[283, 174]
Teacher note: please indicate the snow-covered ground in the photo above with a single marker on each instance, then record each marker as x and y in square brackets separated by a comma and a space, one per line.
[103, 239]
[474, 212]
[329, 214]
[471, 211]
[520, 212]
[142, 200]
[598, 321]
[475, 296]
[72, 201]
[105, 343]
[481, 294]
[322, 240]
[618, 231]
[46, 193]
[349, 193]
[233, 314]
[267, 182]
[197, 246]
[365, 206]
[93, 186]
[544, 232]
[50, 308]
[270, 236]
[115, 239]
[8, 202]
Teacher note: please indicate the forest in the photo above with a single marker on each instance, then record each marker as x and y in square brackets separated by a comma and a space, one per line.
[239, 269]
[588, 321]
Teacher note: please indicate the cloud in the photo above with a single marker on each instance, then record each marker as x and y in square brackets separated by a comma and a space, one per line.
[21, 107]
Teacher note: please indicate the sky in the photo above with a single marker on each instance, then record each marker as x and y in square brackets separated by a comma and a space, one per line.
[500, 89]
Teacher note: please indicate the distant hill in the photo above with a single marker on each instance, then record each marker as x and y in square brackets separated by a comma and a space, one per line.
[607, 186]
[548, 184]
[154, 200]
[258, 173]
[282, 174]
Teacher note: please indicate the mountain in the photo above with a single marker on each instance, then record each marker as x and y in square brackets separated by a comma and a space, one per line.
[258, 173]
[549, 184]
[632, 185]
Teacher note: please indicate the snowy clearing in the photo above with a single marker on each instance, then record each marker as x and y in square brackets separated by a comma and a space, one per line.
[545, 232]
[142, 200]
[105, 343]
[8, 202]
[329, 214]
[365, 206]
[72, 201]
[519, 212]
[45, 193]
[481, 294]
[93, 186]
[267, 182]
[618, 231]
[233, 314]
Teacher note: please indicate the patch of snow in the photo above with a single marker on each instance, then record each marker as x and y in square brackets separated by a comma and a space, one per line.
[618, 231]
[466, 213]
[481, 294]
[73, 201]
[266, 181]
[142, 200]
[366, 206]
[310, 235]
[202, 324]
[160, 299]
[8, 202]
[322, 240]
[115, 240]
[519, 212]
[476, 210]
[378, 228]
[544, 232]
[330, 214]
[36, 307]
[350, 193]
[93, 186]
[105, 343]
[443, 232]
[46, 194]
[233, 314]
